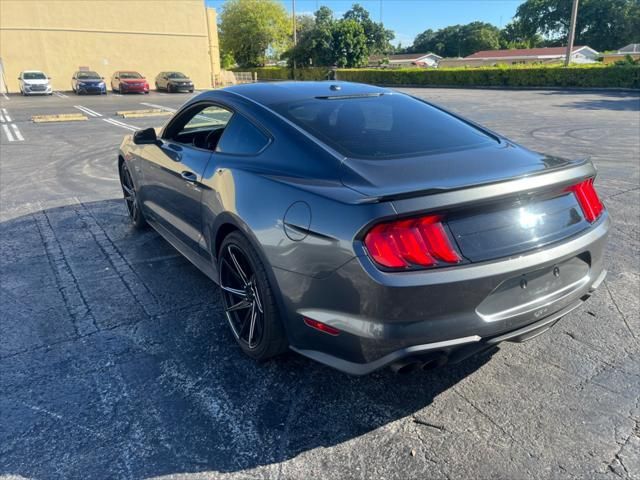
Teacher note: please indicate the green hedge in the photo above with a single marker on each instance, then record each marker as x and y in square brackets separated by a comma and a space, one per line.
[592, 75]
[284, 73]
[577, 76]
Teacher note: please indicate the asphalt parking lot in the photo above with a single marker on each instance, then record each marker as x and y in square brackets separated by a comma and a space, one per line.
[116, 362]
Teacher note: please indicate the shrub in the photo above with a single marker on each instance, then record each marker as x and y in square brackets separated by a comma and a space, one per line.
[596, 75]
[286, 73]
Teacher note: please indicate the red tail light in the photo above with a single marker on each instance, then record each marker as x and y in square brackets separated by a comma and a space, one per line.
[588, 199]
[416, 242]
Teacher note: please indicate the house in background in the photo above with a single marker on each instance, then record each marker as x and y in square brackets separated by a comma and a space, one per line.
[579, 54]
[405, 60]
[633, 50]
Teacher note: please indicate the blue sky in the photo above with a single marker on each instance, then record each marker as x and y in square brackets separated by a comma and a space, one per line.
[407, 18]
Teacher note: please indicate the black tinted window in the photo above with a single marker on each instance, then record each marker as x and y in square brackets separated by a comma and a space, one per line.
[381, 126]
[241, 137]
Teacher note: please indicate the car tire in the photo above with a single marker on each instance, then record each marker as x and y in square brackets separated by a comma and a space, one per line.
[136, 215]
[269, 338]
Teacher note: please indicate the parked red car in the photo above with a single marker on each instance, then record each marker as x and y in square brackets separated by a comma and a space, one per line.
[125, 81]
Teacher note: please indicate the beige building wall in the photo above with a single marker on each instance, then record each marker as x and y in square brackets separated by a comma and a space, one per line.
[60, 36]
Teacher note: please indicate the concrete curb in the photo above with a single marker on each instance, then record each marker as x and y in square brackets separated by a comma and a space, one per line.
[63, 117]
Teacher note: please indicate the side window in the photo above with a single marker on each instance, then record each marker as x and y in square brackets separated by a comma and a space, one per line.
[241, 137]
[209, 118]
[200, 126]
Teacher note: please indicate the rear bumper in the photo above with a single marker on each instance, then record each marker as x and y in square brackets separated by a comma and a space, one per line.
[384, 317]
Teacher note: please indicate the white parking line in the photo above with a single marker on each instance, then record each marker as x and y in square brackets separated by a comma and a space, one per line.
[125, 124]
[87, 111]
[119, 124]
[6, 114]
[166, 109]
[7, 132]
[17, 133]
[1, 118]
[61, 95]
[5, 96]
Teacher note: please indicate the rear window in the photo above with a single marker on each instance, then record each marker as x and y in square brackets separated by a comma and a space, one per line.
[381, 126]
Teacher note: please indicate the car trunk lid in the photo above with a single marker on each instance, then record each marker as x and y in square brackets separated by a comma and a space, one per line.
[440, 172]
[495, 203]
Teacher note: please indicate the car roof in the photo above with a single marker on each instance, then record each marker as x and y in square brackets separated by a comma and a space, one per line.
[32, 71]
[279, 92]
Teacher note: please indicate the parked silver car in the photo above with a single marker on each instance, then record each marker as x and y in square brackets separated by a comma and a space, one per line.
[34, 82]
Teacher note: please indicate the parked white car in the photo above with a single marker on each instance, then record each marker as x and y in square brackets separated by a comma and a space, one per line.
[34, 82]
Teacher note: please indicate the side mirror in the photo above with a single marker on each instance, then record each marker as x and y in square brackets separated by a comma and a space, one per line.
[145, 137]
[48, 78]
[101, 78]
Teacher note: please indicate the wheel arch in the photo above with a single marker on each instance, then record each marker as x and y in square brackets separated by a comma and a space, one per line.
[226, 223]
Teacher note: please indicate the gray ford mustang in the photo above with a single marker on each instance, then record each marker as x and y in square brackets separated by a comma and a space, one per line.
[362, 227]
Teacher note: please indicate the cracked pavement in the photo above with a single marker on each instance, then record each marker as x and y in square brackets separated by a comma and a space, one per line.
[116, 362]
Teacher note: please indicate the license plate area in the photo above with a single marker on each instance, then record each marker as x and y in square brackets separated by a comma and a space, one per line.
[536, 290]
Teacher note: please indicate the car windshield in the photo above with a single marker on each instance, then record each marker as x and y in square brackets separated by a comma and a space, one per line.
[381, 126]
[176, 75]
[130, 75]
[88, 76]
[34, 76]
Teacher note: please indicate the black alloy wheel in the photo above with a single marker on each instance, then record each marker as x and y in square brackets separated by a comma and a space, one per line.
[131, 198]
[248, 300]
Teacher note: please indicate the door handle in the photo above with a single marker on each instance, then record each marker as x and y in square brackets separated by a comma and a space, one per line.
[189, 176]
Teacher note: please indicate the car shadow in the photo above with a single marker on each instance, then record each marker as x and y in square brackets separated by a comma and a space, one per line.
[616, 101]
[116, 362]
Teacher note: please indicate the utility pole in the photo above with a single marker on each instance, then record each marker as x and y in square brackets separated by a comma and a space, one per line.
[572, 32]
[295, 35]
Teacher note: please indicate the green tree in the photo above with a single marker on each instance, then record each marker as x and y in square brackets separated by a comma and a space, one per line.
[346, 42]
[250, 28]
[601, 24]
[226, 60]
[378, 37]
[514, 36]
[458, 40]
[349, 44]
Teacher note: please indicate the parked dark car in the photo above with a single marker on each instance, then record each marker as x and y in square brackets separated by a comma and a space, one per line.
[174, 82]
[88, 82]
[124, 81]
[363, 227]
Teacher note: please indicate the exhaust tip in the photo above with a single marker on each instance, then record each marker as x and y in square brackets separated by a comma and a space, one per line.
[435, 362]
[405, 366]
